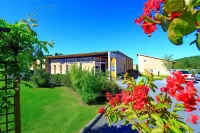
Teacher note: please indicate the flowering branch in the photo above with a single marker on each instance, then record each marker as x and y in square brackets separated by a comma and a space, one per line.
[148, 114]
[177, 17]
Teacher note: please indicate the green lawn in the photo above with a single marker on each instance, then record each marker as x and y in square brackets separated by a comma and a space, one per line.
[57, 110]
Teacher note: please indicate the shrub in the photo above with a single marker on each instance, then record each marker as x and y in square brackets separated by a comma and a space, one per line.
[66, 81]
[110, 86]
[75, 76]
[56, 79]
[41, 78]
[87, 83]
[91, 85]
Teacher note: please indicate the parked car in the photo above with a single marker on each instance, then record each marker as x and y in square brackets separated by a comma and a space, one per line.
[188, 74]
[197, 76]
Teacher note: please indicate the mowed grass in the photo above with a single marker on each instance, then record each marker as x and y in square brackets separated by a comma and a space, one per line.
[56, 110]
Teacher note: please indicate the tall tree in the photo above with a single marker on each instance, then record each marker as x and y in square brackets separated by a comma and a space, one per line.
[23, 38]
[56, 54]
[178, 66]
[167, 62]
[186, 64]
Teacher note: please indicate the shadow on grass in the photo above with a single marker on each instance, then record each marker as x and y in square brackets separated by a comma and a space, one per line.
[113, 129]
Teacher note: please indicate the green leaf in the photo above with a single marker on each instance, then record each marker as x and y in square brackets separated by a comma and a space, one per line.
[157, 118]
[163, 26]
[160, 17]
[160, 97]
[145, 127]
[166, 121]
[133, 127]
[156, 130]
[198, 41]
[125, 122]
[174, 5]
[129, 112]
[175, 122]
[143, 117]
[161, 105]
[133, 116]
[109, 122]
[34, 25]
[149, 20]
[178, 109]
[180, 105]
[175, 129]
[186, 127]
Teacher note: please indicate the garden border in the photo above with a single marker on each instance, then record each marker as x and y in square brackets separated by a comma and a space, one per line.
[88, 127]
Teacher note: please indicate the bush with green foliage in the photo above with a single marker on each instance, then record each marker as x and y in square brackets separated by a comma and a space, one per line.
[75, 76]
[87, 83]
[56, 79]
[65, 80]
[110, 86]
[41, 78]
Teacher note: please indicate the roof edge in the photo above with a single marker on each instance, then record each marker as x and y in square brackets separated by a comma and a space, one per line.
[153, 57]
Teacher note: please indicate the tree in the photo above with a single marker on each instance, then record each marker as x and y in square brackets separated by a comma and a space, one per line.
[167, 62]
[137, 67]
[56, 54]
[186, 64]
[178, 66]
[23, 38]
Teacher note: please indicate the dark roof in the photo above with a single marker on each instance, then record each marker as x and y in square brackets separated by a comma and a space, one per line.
[153, 57]
[85, 55]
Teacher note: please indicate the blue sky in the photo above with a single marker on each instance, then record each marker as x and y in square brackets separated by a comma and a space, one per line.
[81, 26]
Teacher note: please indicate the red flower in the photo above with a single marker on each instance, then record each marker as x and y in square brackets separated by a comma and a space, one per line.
[140, 97]
[174, 15]
[150, 5]
[101, 110]
[157, 99]
[198, 99]
[123, 109]
[108, 95]
[148, 28]
[194, 118]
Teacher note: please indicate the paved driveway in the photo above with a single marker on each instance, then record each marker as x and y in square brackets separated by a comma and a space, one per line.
[102, 126]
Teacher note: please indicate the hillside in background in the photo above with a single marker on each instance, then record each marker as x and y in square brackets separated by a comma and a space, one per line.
[192, 61]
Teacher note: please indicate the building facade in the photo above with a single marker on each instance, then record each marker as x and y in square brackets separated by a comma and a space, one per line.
[154, 65]
[113, 61]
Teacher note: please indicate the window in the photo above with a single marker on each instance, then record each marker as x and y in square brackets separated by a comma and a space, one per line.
[112, 68]
[54, 69]
[151, 70]
[60, 69]
[66, 68]
[124, 68]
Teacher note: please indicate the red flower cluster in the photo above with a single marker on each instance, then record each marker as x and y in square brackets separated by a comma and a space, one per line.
[113, 100]
[186, 95]
[194, 118]
[101, 110]
[150, 5]
[138, 96]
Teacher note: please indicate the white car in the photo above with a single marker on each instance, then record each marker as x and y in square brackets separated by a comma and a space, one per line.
[189, 76]
[197, 76]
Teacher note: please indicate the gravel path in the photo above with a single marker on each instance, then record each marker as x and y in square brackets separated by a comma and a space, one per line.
[102, 125]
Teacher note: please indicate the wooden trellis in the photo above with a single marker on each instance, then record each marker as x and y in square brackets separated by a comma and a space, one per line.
[10, 112]
[9, 93]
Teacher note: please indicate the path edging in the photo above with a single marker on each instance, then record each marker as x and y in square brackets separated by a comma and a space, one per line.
[87, 128]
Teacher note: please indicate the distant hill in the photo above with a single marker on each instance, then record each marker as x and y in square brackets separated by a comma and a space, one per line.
[194, 61]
